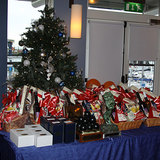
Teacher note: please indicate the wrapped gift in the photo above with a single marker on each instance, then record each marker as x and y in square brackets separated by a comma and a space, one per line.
[53, 104]
[119, 115]
[69, 131]
[22, 137]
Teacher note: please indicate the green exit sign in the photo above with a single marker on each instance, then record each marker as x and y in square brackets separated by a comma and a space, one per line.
[133, 7]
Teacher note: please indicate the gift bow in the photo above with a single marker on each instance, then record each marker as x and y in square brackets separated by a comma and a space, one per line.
[10, 99]
[51, 104]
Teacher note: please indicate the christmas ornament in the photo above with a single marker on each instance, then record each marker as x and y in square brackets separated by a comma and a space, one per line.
[10, 68]
[57, 80]
[51, 68]
[49, 74]
[26, 62]
[48, 78]
[41, 27]
[63, 55]
[43, 54]
[43, 64]
[35, 29]
[61, 84]
[68, 53]
[72, 73]
[25, 51]
[60, 34]
[21, 43]
[50, 59]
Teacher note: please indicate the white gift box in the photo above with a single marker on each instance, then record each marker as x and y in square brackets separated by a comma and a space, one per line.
[34, 126]
[22, 137]
[41, 136]
[31, 135]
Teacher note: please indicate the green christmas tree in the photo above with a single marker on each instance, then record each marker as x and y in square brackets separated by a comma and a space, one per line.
[47, 62]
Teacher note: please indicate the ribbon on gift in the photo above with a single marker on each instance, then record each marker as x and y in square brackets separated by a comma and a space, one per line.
[157, 102]
[10, 99]
[9, 116]
[87, 95]
[99, 89]
[121, 94]
[44, 102]
[51, 104]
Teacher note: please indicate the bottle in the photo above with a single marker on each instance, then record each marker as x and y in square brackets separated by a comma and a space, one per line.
[18, 100]
[142, 105]
[44, 109]
[74, 111]
[36, 107]
[78, 109]
[68, 107]
[147, 102]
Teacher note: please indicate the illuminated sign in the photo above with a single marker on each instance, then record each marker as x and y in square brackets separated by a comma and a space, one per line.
[133, 7]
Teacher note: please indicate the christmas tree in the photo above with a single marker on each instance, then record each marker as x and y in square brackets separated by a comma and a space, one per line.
[47, 62]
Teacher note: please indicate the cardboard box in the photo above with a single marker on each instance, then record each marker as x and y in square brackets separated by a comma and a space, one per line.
[69, 131]
[57, 129]
[22, 137]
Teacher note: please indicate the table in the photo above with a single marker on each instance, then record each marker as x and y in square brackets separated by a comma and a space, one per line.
[137, 144]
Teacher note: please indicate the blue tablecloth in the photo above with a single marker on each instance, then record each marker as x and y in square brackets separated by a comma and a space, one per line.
[137, 144]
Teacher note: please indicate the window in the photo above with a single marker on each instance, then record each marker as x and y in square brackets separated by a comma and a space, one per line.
[141, 74]
[20, 16]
